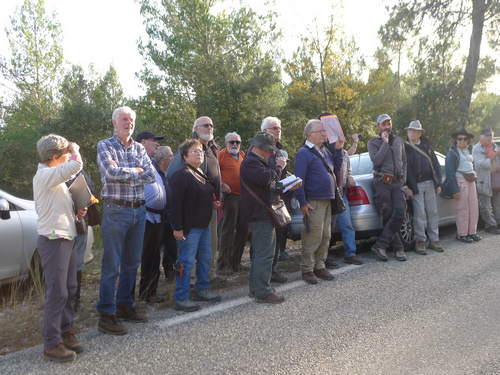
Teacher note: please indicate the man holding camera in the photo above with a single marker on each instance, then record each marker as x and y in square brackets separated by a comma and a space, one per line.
[387, 153]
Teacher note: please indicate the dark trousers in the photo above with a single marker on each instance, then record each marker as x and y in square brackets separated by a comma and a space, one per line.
[281, 237]
[150, 260]
[233, 234]
[58, 258]
[391, 201]
[169, 245]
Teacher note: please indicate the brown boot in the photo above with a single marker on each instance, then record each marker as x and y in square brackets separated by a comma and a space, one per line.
[59, 354]
[126, 312]
[78, 302]
[109, 324]
[70, 341]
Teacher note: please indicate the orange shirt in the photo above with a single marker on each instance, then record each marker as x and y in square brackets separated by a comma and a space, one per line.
[230, 169]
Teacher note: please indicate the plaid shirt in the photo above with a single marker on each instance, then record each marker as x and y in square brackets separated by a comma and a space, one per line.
[124, 182]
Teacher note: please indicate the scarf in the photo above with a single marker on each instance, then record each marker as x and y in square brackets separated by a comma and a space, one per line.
[489, 149]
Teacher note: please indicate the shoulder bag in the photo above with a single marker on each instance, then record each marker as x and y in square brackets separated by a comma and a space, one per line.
[278, 212]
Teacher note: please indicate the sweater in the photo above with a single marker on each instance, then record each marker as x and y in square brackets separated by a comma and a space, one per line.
[53, 202]
[230, 169]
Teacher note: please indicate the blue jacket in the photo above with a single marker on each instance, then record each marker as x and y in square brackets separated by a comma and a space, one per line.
[317, 182]
[451, 166]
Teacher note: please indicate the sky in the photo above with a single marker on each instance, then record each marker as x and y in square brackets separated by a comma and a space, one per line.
[105, 32]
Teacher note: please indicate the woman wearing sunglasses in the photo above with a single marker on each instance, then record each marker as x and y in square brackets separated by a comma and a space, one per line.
[461, 177]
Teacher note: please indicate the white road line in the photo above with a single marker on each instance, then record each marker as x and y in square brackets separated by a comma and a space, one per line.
[187, 317]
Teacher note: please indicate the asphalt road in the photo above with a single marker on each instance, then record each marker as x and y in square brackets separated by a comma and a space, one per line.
[434, 314]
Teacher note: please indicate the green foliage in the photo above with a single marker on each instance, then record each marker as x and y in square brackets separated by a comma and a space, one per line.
[208, 64]
[35, 66]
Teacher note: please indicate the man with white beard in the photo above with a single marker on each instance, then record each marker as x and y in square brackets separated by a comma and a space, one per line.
[232, 231]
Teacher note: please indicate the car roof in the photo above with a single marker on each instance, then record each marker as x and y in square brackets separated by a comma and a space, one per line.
[23, 203]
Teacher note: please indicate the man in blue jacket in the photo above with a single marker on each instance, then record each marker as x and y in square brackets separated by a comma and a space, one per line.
[315, 165]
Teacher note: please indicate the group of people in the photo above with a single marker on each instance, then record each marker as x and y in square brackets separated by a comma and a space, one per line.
[153, 198]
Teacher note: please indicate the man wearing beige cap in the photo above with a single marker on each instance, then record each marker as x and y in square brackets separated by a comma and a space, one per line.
[424, 180]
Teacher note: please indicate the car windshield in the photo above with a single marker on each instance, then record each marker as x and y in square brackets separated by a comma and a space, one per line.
[361, 164]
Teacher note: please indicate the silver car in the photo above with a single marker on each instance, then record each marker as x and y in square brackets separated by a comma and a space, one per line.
[366, 218]
[18, 234]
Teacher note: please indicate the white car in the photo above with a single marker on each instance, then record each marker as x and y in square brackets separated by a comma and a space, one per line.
[18, 234]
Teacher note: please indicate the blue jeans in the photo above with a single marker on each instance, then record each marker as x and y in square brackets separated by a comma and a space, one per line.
[81, 246]
[122, 236]
[197, 246]
[263, 244]
[347, 230]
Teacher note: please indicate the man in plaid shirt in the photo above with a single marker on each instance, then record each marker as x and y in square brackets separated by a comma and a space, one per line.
[125, 169]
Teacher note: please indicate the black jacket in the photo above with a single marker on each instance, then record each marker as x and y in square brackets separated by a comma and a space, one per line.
[413, 164]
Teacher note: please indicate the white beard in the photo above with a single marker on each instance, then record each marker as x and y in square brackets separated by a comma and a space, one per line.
[234, 151]
[206, 137]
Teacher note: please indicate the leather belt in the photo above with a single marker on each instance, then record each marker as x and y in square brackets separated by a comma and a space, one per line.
[135, 204]
[382, 174]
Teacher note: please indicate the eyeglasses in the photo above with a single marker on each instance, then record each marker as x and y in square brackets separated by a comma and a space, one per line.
[318, 131]
[207, 125]
[153, 140]
[275, 128]
[234, 142]
[197, 151]
[462, 138]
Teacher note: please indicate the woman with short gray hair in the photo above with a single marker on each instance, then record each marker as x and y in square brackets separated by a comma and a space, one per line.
[60, 161]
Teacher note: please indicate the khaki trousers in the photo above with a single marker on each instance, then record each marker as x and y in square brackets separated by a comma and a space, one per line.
[315, 243]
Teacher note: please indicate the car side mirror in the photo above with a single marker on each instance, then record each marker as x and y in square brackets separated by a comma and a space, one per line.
[4, 209]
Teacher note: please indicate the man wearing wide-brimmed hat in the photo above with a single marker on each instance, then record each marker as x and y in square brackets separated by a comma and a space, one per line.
[486, 156]
[424, 180]
[258, 177]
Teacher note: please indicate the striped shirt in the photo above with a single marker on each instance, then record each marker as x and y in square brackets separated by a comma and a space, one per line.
[123, 182]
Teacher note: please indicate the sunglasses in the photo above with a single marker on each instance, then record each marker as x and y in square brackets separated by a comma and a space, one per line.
[462, 138]
[207, 125]
[234, 142]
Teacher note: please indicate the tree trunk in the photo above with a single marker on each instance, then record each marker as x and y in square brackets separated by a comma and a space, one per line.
[478, 12]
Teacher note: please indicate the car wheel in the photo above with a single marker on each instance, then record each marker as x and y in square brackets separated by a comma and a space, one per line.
[36, 277]
[406, 234]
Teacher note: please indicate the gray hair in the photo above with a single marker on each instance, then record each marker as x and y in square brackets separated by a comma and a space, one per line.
[117, 112]
[268, 121]
[196, 122]
[160, 152]
[226, 138]
[50, 145]
[309, 126]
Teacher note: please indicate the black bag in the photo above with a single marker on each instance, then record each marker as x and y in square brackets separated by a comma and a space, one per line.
[279, 214]
[93, 214]
[80, 225]
[338, 204]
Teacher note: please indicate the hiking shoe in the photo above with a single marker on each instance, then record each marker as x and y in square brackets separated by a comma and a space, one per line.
[436, 246]
[380, 253]
[492, 230]
[465, 239]
[59, 354]
[205, 295]
[323, 274]
[330, 264]
[309, 278]
[277, 278]
[128, 313]
[252, 294]
[475, 237]
[271, 298]
[70, 341]
[186, 306]
[109, 324]
[420, 247]
[400, 255]
[353, 260]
